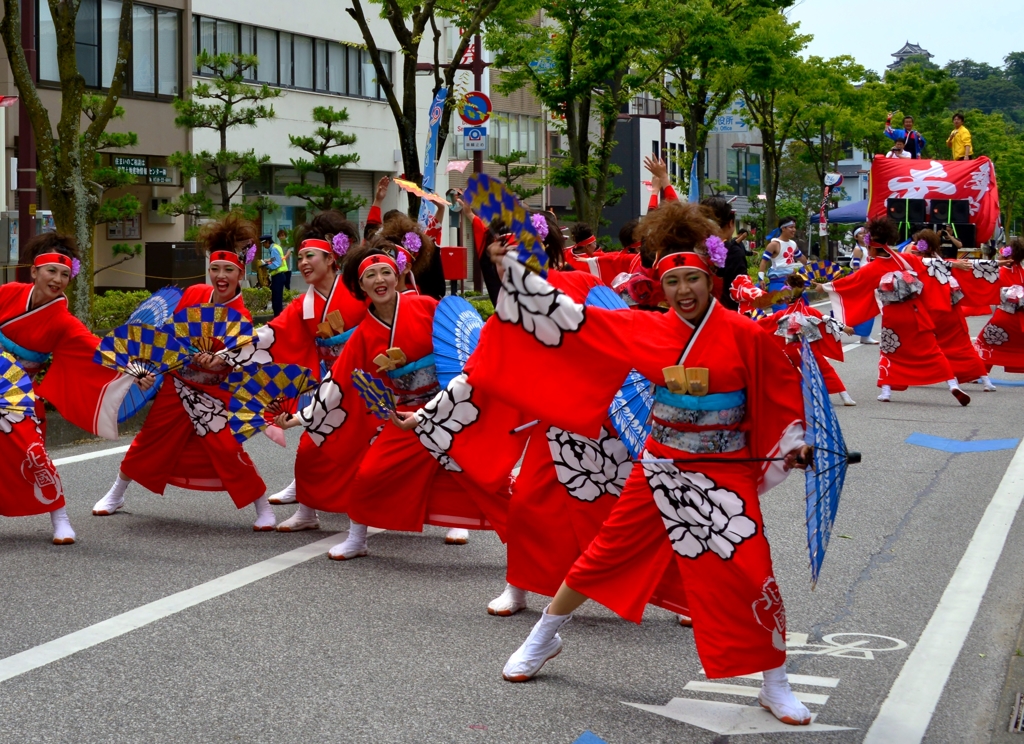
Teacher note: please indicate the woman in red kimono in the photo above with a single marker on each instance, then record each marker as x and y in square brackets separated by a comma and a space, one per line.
[799, 320]
[910, 354]
[186, 441]
[950, 324]
[689, 513]
[36, 328]
[349, 462]
[1001, 341]
[313, 329]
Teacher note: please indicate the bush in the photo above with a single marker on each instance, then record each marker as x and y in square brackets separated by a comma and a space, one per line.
[291, 294]
[483, 306]
[113, 308]
[256, 299]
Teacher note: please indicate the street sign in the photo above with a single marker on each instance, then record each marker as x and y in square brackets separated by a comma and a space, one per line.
[474, 138]
[477, 108]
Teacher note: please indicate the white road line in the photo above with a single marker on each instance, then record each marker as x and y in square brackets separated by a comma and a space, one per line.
[745, 691]
[821, 304]
[72, 643]
[796, 679]
[907, 711]
[91, 455]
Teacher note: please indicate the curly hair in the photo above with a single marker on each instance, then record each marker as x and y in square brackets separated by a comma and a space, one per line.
[883, 230]
[324, 227]
[677, 227]
[932, 238]
[350, 271]
[580, 231]
[1016, 250]
[396, 226]
[52, 242]
[226, 234]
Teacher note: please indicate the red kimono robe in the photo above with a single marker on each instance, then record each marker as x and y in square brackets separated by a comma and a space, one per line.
[186, 441]
[697, 524]
[605, 266]
[800, 320]
[349, 461]
[85, 393]
[951, 329]
[909, 353]
[1001, 341]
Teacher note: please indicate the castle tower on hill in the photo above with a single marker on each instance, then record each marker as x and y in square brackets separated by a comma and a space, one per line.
[909, 50]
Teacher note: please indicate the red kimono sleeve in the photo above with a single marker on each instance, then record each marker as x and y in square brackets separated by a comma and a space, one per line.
[981, 283]
[853, 296]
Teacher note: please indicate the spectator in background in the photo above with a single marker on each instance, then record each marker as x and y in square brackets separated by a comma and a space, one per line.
[913, 142]
[897, 150]
[736, 254]
[280, 274]
[959, 139]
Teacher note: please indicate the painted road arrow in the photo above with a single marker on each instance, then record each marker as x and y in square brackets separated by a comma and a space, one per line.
[958, 446]
[729, 718]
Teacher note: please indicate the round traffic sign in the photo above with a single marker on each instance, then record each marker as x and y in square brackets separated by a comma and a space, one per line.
[476, 109]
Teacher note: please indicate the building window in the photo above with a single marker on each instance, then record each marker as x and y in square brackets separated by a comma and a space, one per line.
[266, 51]
[505, 134]
[303, 62]
[335, 68]
[742, 171]
[155, 60]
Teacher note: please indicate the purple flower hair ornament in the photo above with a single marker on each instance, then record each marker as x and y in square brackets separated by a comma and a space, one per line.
[922, 246]
[1006, 251]
[250, 253]
[402, 262]
[340, 244]
[716, 250]
[76, 266]
[540, 225]
[412, 243]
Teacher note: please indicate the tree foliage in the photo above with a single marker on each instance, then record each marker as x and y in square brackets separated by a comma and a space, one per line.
[221, 103]
[511, 173]
[325, 162]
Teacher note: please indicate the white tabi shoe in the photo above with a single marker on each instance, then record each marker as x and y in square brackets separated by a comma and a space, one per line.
[542, 644]
[885, 394]
[511, 601]
[304, 518]
[63, 534]
[868, 340]
[456, 536]
[685, 620]
[354, 545]
[987, 382]
[777, 697]
[113, 501]
[285, 496]
[847, 400]
[265, 517]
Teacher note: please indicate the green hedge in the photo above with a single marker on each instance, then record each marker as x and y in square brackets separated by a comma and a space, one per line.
[256, 299]
[113, 308]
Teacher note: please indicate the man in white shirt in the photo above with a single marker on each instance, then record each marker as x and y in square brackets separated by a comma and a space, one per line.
[897, 151]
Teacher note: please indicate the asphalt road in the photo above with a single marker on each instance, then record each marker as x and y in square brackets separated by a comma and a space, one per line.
[398, 647]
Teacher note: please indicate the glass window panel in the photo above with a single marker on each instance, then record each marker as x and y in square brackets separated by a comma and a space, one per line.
[266, 50]
[534, 128]
[283, 177]
[353, 71]
[143, 49]
[753, 172]
[369, 86]
[169, 48]
[285, 66]
[208, 35]
[47, 44]
[321, 65]
[110, 21]
[513, 133]
[227, 37]
[248, 46]
[335, 68]
[385, 61]
[503, 142]
[87, 42]
[303, 62]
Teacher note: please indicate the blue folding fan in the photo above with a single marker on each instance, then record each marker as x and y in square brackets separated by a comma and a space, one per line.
[16, 392]
[457, 327]
[630, 412]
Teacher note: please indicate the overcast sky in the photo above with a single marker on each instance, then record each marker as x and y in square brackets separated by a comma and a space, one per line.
[871, 30]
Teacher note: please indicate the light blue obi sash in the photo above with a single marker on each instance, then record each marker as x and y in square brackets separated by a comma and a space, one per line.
[330, 348]
[714, 410]
[416, 380]
[31, 360]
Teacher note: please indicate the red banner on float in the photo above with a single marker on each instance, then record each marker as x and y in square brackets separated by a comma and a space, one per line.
[973, 180]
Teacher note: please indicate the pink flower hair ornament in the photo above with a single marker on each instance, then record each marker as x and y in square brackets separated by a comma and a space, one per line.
[716, 250]
[340, 244]
[412, 242]
[540, 224]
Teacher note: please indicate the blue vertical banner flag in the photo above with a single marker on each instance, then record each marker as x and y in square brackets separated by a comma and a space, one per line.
[694, 195]
[430, 155]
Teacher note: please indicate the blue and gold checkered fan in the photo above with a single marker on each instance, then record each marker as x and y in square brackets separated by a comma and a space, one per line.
[491, 199]
[822, 272]
[210, 328]
[16, 393]
[139, 350]
[257, 398]
[375, 394]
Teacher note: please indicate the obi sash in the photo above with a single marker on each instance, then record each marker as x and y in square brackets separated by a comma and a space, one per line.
[699, 424]
[416, 382]
[329, 349]
[30, 360]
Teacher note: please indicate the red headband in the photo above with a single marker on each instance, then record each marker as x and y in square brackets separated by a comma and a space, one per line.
[584, 243]
[226, 257]
[374, 260]
[317, 244]
[688, 260]
[44, 259]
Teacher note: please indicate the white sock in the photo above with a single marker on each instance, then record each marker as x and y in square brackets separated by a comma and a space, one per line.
[264, 512]
[120, 486]
[61, 525]
[356, 536]
[779, 694]
[886, 392]
[953, 384]
[548, 625]
[305, 513]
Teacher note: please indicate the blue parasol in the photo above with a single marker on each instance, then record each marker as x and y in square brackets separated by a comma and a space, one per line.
[457, 327]
[824, 481]
[630, 411]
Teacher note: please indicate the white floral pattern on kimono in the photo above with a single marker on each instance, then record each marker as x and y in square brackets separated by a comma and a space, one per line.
[207, 413]
[589, 468]
[541, 309]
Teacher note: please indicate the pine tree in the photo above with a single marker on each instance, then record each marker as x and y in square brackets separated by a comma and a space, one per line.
[326, 195]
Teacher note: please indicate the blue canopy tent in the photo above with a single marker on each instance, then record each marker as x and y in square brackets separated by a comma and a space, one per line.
[847, 214]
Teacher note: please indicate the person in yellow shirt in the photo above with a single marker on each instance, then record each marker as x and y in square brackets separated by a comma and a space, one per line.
[959, 139]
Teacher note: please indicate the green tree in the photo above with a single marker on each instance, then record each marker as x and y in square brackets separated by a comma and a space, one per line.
[68, 161]
[700, 51]
[323, 161]
[221, 104]
[510, 173]
[593, 66]
[773, 79]
[926, 93]
[988, 89]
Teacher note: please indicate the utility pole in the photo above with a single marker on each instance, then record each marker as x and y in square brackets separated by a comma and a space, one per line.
[478, 155]
[26, 147]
